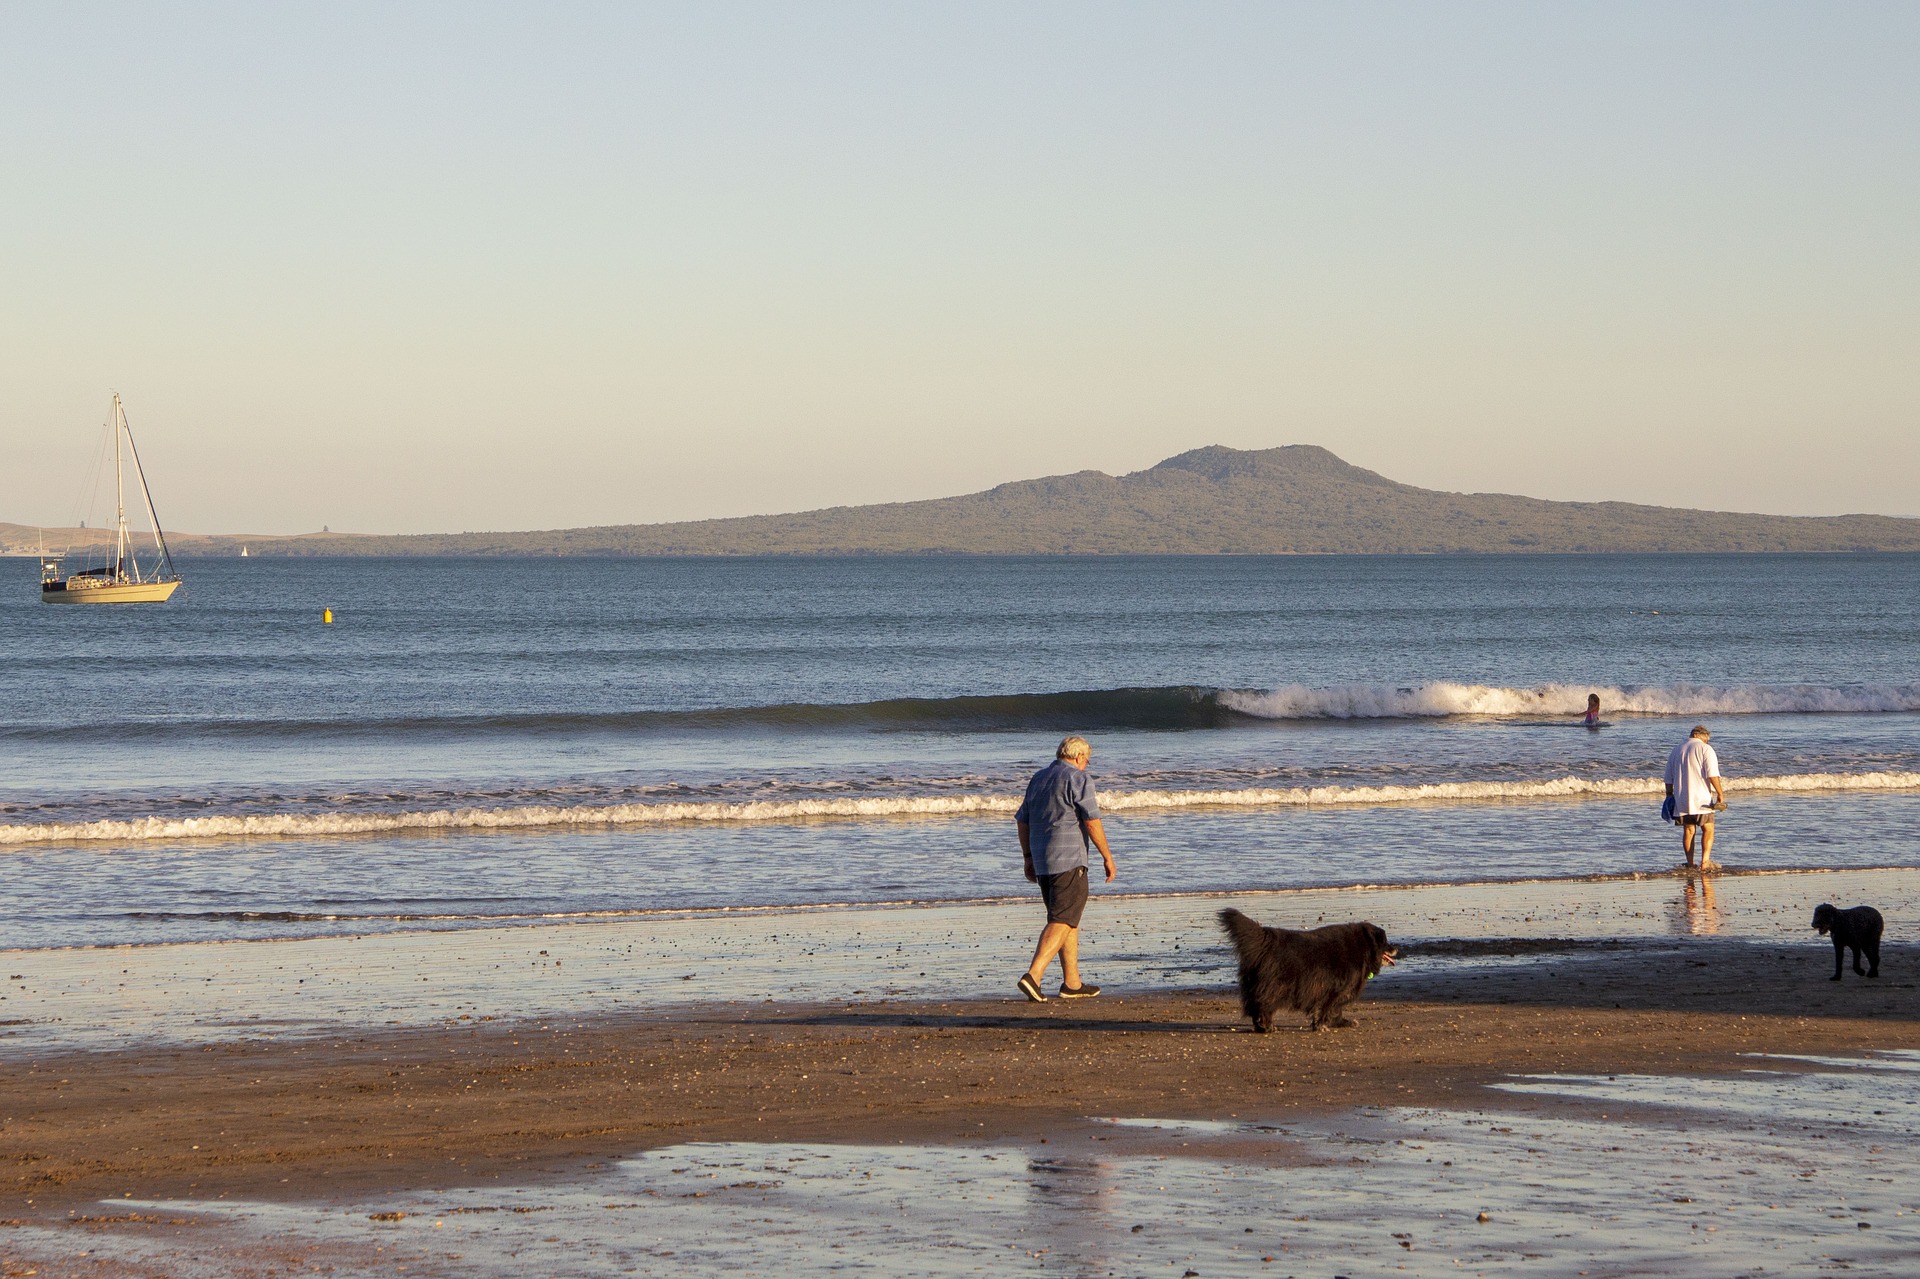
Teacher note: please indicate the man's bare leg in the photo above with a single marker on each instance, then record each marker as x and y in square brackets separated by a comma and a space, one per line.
[1706, 843]
[1686, 842]
[1053, 939]
[1070, 960]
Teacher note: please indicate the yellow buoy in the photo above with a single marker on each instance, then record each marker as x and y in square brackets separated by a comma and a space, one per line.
[326, 615]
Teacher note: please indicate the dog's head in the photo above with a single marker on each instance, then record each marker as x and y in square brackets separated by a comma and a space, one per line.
[1383, 954]
[1823, 917]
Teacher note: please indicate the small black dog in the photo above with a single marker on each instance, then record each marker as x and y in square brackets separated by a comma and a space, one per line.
[1317, 972]
[1857, 930]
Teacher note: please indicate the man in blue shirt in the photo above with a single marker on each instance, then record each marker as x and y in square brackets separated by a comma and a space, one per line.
[1056, 821]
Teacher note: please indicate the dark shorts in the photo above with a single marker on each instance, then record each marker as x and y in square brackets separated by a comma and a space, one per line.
[1065, 895]
[1697, 819]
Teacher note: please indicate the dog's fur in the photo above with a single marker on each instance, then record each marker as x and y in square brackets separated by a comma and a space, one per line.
[1317, 972]
[1857, 930]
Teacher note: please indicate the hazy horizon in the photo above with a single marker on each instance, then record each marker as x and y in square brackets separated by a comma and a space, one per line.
[176, 532]
[489, 268]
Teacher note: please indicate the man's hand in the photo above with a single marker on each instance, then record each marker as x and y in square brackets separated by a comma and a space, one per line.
[1096, 834]
[1033, 878]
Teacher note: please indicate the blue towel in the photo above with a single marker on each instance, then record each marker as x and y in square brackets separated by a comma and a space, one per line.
[1666, 809]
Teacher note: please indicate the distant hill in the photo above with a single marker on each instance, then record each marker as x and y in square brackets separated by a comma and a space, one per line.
[1296, 500]
[30, 540]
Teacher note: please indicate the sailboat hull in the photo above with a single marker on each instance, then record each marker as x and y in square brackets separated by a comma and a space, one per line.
[72, 592]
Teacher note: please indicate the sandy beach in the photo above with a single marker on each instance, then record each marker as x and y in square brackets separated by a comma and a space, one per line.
[119, 997]
[362, 1113]
[405, 1109]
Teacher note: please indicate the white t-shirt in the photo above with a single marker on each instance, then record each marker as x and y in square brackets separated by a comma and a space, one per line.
[1688, 769]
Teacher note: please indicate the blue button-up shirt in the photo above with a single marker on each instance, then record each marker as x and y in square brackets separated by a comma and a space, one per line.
[1059, 798]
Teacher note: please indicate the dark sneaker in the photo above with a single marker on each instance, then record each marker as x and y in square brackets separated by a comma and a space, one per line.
[1082, 991]
[1031, 989]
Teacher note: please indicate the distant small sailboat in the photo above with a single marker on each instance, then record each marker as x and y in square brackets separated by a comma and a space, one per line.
[122, 580]
[243, 550]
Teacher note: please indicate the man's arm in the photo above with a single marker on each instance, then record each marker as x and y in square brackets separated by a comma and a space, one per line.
[1094, 831]
[1026, 848]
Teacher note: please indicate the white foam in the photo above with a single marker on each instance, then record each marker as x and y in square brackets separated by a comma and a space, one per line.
[1441, 698]
[1550, 788]
[532, 817]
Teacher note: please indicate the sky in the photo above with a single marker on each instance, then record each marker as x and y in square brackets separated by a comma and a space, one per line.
[448, 267]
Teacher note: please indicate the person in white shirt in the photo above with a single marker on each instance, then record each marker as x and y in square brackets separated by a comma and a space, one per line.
[1693, 784]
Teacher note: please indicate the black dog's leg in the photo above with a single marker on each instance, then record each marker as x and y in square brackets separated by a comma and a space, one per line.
[1873, 957]
[1839, 959]
[1334, 1013]
[1858, 967]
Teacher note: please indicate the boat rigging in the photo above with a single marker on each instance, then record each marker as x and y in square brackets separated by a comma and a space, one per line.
[123, 579]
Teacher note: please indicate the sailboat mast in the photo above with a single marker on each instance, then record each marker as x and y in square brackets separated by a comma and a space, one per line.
[119, 494]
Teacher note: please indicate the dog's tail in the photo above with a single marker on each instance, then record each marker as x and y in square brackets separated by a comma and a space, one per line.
[1249, 938]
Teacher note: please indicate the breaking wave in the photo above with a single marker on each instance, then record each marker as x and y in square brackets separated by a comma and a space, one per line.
[535, 817]
[1439, 699]
[1174, 707]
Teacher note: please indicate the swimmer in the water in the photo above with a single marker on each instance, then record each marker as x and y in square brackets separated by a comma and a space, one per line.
[1592, 718]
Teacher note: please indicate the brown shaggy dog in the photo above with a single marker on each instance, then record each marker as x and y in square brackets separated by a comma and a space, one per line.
[1317, 972]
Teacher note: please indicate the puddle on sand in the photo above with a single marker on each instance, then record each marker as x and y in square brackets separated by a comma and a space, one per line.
[1873, 1097]
[1774, 1172]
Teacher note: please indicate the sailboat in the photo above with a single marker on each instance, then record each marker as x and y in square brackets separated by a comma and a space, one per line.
[122, 580]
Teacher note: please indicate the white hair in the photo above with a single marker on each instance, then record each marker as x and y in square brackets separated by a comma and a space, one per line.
[1074, 748]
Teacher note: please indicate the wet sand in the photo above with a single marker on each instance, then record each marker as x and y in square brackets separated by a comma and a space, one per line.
[212, 992]
[509, 1101]
[327, 1104]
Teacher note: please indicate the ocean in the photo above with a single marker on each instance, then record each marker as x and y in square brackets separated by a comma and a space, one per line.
[491, 742]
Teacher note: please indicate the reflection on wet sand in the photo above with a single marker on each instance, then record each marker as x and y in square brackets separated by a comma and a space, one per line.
[1701, 913]
[1797, 1165]
[1070, 1201]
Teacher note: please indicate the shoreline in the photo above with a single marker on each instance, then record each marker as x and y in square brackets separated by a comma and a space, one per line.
[193, 993]
[1719, 871]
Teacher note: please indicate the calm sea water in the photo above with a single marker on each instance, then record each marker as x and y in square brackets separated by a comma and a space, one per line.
[479, 741]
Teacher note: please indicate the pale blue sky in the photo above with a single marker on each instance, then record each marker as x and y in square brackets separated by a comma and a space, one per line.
[476, 266]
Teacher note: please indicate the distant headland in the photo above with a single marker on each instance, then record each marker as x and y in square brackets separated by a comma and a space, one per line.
[1297, 500]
